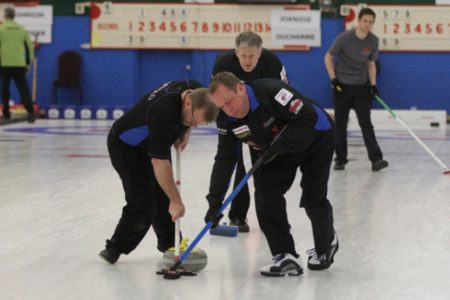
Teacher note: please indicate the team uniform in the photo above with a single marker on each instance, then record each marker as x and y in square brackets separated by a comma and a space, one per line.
[306, 143]
[147, 131]
[352, 55]
[268, 66]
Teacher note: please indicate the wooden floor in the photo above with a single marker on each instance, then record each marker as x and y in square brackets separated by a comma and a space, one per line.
[60, 199]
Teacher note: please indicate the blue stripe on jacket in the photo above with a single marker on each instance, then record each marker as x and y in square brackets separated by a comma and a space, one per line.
[134, 136]
[322, 124]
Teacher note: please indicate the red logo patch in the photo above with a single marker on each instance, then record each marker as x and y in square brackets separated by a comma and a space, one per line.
[296, 105]
[366, 50]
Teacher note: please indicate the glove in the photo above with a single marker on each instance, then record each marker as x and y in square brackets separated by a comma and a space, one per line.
[211, 214]
[374, 91]
[336, 85]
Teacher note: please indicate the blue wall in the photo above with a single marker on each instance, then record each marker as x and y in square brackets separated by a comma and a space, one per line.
[120, 77]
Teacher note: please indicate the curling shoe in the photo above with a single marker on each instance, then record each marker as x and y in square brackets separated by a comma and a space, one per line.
[339, 165]
[110, 255]
[379, 164]
[31, 118]
[241, 224]
[318, 262]
[283, 264]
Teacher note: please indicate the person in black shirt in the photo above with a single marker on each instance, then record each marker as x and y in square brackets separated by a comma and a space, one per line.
[254, 114]
[139, 145]
[248, 61]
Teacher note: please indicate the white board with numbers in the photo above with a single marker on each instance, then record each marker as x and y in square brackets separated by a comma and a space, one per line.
[181, 26]
[407, 28]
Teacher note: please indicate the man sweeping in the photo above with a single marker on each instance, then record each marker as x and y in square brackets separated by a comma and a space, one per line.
[254, 114]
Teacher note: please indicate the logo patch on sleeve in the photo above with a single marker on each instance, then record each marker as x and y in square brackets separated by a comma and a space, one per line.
[296, 105]
[283, 96]
[242, 131]
[222, 131]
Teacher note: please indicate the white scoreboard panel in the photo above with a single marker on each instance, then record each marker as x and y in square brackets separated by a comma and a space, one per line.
[181, 26]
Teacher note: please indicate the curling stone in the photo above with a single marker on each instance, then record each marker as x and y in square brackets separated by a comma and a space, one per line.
[195, 261]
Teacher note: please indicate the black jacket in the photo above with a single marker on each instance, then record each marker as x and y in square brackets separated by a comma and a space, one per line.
[273, 105]
[268, 66]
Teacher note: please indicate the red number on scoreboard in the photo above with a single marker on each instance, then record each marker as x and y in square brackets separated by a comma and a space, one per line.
[396, 28]
[418, 28]
[162, 26]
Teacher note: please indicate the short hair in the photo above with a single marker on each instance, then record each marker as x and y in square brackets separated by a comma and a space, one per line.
[200, 99]
[248, 39]
[10, 13]
[225, 78]
[366, 11]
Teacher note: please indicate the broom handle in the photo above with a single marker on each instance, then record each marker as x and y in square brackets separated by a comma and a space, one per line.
[230, 198]
[394, 115]
[177, 222]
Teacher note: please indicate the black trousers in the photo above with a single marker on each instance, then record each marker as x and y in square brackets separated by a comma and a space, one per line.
[356, 97]
[147, 204]
[19, 76]
[241, 203]
[275, 178]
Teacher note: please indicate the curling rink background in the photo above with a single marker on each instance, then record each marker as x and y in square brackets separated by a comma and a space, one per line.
[60, 199]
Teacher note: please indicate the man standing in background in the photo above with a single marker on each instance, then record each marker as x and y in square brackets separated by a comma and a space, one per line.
[16, 54]
[353, 80]
[248, 62]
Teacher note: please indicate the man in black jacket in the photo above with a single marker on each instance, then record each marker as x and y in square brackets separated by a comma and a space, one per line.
[254, 114]
[248, 62]
[139, 145]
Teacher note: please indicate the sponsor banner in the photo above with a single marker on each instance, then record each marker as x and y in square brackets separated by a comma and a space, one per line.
[40, 14]
[296, 27]
[37, 20]
[407, 28]
[287, 37]
[184, 26]
[40, 33]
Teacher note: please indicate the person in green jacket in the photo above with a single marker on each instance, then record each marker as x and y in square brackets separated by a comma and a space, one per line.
[16, 54]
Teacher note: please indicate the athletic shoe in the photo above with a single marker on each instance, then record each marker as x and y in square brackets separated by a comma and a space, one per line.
[110, 255]
[6, 115]
[283, 264]
[31, 118]
[339, 165]
[379, 164]
[241, 224]
[323, 261]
